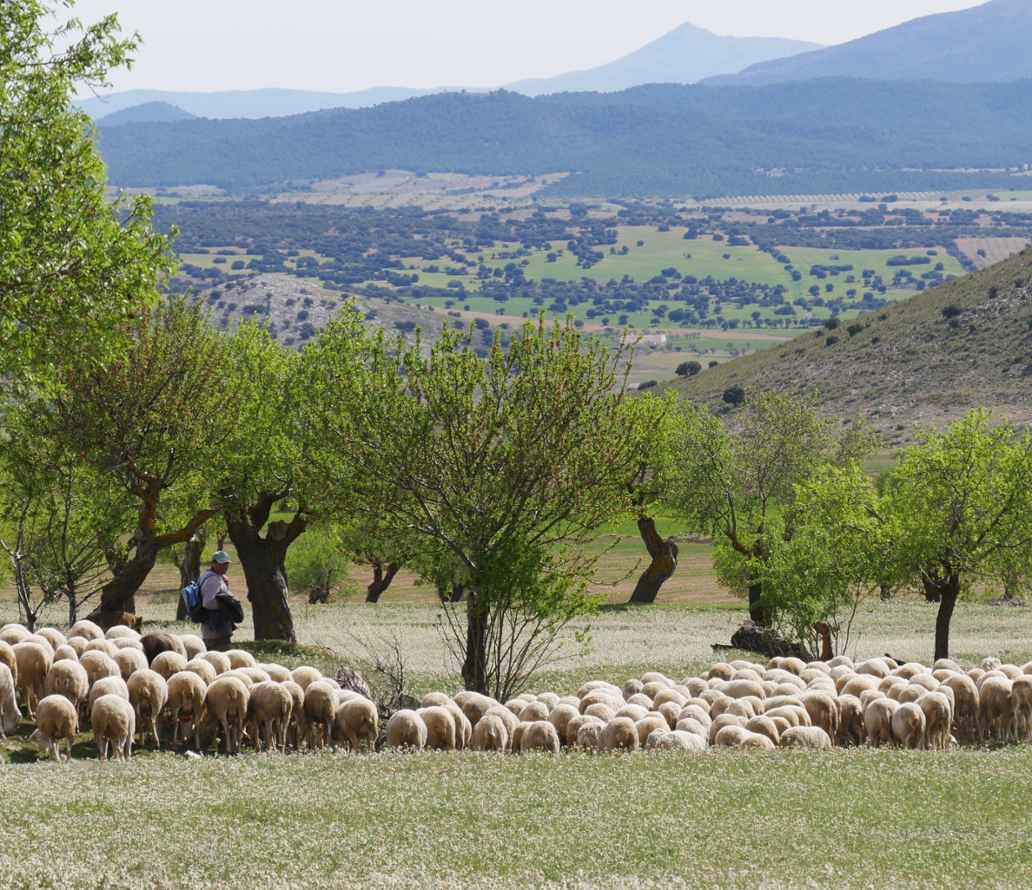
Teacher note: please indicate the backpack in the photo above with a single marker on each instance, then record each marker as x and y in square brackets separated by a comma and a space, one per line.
[193, 600]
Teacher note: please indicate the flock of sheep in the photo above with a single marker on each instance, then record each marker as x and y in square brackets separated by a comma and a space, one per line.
[129, 687]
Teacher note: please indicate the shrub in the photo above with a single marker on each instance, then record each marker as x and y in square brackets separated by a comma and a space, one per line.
[734, 395]
[648, 384]
[951, 311]
[832, 324]
[854, 329]
[831, 341]
[317, 564]
[688, 369]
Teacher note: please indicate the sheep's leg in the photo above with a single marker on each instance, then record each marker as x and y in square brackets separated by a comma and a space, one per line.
[154, 732]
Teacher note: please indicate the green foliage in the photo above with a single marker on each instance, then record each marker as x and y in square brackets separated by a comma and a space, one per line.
[317, 562]
[71, 274]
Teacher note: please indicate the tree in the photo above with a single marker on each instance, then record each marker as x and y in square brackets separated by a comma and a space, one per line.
[734, 395]
[688, 369]
[151, 421]
[961, 501]
[501, 465]
[373, 542]
[73, 266]
[739, 485]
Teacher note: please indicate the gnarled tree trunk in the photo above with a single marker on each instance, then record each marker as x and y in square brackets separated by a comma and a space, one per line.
[664, 562]
[943, 590]
[189, 568]
[383, 575]
[474, 667]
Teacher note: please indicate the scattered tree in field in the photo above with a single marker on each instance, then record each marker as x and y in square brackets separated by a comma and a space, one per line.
[734, 395]
[317, 564]
[152, 422]
[961, 506]
[688, 369]
[740, 485]
[71, 274]
[503, 466]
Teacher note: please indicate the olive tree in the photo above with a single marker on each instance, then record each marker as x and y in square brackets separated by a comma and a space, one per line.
[961, 503]
[739, 483]
[73, 266]
[503, 466]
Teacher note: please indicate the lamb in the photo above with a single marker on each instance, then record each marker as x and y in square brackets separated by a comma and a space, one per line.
[406, 729]
[129, 661]
[620, 734]
[851, 722]
[114, 726]
[878, 721]
[269, 708]
[675, 740]
[148, 693]
[358, 723]
[320, 707]
[10, 713]
[185, 705]
[68, 678]
[589, 735]
[240, 658]
[168, 663]
[440, 727]
[225, 703]
[107, 686]
[995, 699]
[823, 711]
[203, 669]
[539, 736]
[938, 714]
[33, 662]
[491, 734]
[192, 643]
[811, 737]
[57, 720]
[908, 726]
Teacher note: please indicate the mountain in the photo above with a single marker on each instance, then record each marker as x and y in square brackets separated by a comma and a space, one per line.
[148, 112]
[986, 44]
[808, 137]
[685, 55]
[923, 362]
[247, 103]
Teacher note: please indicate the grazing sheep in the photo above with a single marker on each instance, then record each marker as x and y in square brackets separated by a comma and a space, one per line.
[823, 711]
[996, 708]
[491, 734]
[440, 700]
[440, 728]
[649, 724]
[878, 721]
[129, 661]
[908, 726]
[203, 669]
[108, 686]
[269, 707]
[764, 726]
[99, 665]
[277, 673]
[240, 658]
[114, 726]
[217, 660]
[13, 633]
[1021, 698]
[225, 703]
[321, 700]
[192, 643]
[168, 663]
[57, 720]
[857, 684]
[246, 679]
[600, 711]
[121, 632]
[78, 645]
[298, 729]
[752, 741]
[620, 734]
[674, 741]
[589, 735]
[33, 663]
[53, 636]
[560, 718]
[938, 713]
[148, 693]
[406, 729]
[10, 713]
[851, 722]
[723, 720]
[8, 657]
[811, 737]
[510, 720]
[65, 653]
[185, 705]
[473, 704]
[533, 712]
[796, 716]
[86, 629]
[68, 678]
[105, 647]
[539, 736]
[730, 736]
[356, 722]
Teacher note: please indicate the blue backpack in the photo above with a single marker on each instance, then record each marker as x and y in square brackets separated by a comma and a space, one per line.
[193, 600]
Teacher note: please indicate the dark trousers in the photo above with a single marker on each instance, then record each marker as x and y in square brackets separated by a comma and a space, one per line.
[218, 644]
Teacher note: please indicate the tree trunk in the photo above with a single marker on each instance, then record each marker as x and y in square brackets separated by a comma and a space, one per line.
[382, 578]
[664, 562]
[119, 594]
[474, 668]
[758, 614]
[263, 561]
[948, 590]
[189, 569]
[458, 591]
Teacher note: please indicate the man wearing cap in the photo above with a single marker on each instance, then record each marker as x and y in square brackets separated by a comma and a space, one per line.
[218, 626]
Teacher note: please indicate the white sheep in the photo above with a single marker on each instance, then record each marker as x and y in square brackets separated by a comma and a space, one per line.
[10, 713]
[269, 709]
[908, 726]
[473, 704]
[33, 665]
[491, 734]
[57, 720]
[148, 693]
[185, 705]
[878, 721]
[225, 703]
[192, 643]
[298, 729]
[440, 728]
[356, 722]
[321, 699]
[13, 633]
[589, 734]
[812, 737]
[129, 661]
[114, 726]
[240, 658]
[98, 665]
[68, 678]
[7, 657]
[539, 736]
[675, 740]
[406, 729]
[217, 660]
[620, 734]
[203, 669]
[86, 629]
[107, 686]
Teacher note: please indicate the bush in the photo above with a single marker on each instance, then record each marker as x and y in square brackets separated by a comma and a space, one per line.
[832, 324]
[734, 395]
[854, 329]
[831, 341]
[317, 564]
[688, 369]
[951, 311]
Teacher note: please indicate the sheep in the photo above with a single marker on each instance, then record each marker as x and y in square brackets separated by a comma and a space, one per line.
[10, 713]
[65, 653]
[33, 662]
[53, 636]
[620, 734]
[77, 645]
[156, 643]
[114, 726]
[857, 684]
[648, 724]
[406, 729]
[244, 678]
[321, 699]
[240, 658]
[755, 742]
[878, 721]
[185, 705]
[674, 741]
[812, 737]
[1021, 697]
[995, 706]
[108, 686]
[57, 720]
[731, 736]
[269, 707]
[203, 669]
[851, 722]
[600, 711]
[938, 714]
[277, 673]
[98, 665]
[68, 678]
[121, 632]
[8, 657]
[86, 629]
[129, 661]
[148, 693]
[594, 685]
[491, 734]
[908, 726]
[690, 724]
[217, 660]
[105, 647]
[671, 712]
[510, 720]
[823, 711]
[796, 716]
[589, 735]
[13, 633]
[225, 703]
[539, 736]
[725, 720]
[168, 663]
[440, 727]
[533, 712]
[192, 643]
[560, 717]
[298, 729]
[697, 712]
[764, 726]
[356, 722]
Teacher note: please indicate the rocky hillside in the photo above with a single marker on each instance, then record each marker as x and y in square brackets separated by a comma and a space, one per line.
[923, 362]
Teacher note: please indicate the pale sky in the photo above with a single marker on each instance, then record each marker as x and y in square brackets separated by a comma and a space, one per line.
[343, 45]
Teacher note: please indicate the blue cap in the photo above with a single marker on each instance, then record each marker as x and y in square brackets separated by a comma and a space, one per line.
[221, 557]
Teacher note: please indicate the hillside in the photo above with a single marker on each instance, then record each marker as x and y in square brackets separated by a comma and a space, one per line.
[986, 44]
[148, 112]
[250, 104]
[922, 362]
[797, 138]
[685, 55]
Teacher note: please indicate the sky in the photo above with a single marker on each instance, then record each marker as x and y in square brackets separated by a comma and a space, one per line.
[344, 45]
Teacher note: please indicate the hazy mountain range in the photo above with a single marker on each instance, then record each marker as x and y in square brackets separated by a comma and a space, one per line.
[986, 44]
[685, 55]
